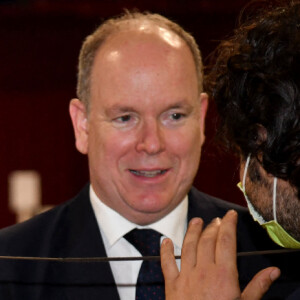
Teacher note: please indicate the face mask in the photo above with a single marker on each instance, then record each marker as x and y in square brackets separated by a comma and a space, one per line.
[274, 229]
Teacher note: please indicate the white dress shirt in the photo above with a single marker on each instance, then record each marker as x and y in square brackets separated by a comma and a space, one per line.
[113, 227]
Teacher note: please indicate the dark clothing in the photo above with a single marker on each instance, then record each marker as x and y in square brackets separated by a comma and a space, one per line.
[71, 230]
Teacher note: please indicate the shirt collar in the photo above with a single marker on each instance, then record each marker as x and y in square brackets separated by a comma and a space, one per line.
[114, 226]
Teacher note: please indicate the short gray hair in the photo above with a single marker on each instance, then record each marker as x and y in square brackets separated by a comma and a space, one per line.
[94, 41]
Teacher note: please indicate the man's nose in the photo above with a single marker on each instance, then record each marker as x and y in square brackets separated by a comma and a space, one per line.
[151, 138]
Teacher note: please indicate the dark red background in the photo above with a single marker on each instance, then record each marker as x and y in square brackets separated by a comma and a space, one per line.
[39, 45]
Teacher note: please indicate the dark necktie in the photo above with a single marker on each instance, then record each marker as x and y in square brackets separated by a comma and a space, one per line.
[150, 283]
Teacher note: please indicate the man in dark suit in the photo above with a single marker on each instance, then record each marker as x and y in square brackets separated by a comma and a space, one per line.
[71, 230]
[139, 117]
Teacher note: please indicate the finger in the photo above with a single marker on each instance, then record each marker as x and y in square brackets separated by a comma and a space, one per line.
[226, 241]
[168, 263]
[207, 244]
[260, 284]
[190, 243]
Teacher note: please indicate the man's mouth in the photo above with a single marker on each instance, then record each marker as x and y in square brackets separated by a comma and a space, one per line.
[150, 174]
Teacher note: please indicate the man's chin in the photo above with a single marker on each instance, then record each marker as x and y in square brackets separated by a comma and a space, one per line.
[146, 214]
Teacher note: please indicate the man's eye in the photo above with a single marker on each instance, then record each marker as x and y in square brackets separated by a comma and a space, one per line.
[124, 119]
[176, 116]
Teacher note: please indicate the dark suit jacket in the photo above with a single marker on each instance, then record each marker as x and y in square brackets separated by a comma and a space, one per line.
[71, 230]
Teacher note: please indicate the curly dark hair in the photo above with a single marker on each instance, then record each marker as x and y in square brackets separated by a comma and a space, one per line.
[256, 86]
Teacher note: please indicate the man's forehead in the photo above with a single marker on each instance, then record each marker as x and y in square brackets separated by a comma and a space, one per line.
[144, 43]
[139, 30]
[146, 50]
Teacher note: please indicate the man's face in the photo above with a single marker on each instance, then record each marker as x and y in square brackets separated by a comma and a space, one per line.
[144, 131]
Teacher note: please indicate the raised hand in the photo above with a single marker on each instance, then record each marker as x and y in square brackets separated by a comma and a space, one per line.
[208, 265]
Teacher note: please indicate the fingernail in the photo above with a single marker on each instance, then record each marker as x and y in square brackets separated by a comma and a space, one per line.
[165, 241]
[232, 212]
[274, 274]
[216, 221]
[196, 221]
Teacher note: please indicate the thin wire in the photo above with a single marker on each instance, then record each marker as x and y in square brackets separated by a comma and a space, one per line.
[107, 259]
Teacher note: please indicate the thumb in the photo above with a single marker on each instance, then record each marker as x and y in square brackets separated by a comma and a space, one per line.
[260, 283]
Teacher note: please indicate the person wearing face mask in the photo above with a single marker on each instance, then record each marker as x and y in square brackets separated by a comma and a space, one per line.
[256, 86]
[276, 232]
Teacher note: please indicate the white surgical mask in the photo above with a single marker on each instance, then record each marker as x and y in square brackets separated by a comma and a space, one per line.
[274, 229]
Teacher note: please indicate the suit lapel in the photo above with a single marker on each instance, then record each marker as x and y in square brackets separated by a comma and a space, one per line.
[200, 206]
[81, 237]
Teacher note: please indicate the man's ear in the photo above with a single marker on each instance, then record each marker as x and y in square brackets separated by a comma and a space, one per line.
[78, 115]
[262, 134]
[203, 110]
